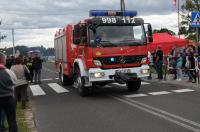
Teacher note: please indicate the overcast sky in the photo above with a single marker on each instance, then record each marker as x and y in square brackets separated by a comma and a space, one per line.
[36, 21]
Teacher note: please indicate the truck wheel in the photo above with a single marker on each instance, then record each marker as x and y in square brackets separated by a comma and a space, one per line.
[79, 83]
[65, 79]
[134, 86]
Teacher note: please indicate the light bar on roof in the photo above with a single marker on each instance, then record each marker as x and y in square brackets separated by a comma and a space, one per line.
[96, 13]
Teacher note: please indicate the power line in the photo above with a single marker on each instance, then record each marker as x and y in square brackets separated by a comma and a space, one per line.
[27, 28]
[41, 13]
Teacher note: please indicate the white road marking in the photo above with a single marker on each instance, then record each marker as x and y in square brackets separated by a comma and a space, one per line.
[161, 113]
[107, 86]
[144, 83]
[56, 78]
[135, 95]
[160, 93]
[123, 85]
[47, 79]
[57, 88]
[37, 90]
[182, 90]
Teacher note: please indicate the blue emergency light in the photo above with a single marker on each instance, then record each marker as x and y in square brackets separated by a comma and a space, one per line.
[96, 13]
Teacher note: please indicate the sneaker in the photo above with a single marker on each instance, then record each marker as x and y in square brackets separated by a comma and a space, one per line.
[193, 81]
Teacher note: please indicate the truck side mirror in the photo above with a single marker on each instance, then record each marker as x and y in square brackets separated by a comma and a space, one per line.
[150, 33]
[76, 35]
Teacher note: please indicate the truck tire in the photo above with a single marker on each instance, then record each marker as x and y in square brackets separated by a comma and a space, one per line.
[65, 79]
[79, 83]
[134, 86]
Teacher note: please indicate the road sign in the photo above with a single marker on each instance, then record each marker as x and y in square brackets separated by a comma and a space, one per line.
[195, 19]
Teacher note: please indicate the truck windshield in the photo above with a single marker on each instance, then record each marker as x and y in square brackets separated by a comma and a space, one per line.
[112, 36]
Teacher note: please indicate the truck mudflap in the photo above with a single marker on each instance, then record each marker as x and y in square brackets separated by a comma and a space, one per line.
[123, 78]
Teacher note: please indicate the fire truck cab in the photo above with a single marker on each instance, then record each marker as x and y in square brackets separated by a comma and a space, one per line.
[110, 46]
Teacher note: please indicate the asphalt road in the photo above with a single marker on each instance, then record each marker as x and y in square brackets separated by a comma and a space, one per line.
[157, 107]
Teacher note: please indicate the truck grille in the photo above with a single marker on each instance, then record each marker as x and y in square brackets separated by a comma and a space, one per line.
[120, 60]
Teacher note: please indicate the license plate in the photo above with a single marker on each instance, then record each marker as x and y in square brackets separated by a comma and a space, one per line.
[124, 71]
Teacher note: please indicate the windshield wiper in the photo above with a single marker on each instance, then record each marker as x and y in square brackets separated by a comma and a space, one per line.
[137, 44]
[106, 43]
[128, 40]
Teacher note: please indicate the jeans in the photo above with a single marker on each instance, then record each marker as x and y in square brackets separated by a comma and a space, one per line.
[7, 104]
[2, 119]
[179, 73]
[159, 69]
[21, 94]
[37, 75]
[193, 74]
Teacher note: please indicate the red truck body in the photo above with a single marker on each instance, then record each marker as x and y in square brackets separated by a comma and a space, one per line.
[85, 59]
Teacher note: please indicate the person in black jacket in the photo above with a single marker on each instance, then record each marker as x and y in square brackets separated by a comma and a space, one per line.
[192, 65]
[7, 101]
[37, 67]
[159, 63]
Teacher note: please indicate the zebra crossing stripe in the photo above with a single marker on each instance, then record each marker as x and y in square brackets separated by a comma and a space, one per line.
[182, 90]
[57, 88]
[160, 93]
[144, 83]
[123, 85]
[135, 95]
[36, 90]
[47, 79]
[107, 86]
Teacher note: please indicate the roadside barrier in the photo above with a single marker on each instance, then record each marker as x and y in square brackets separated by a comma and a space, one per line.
[171, 65]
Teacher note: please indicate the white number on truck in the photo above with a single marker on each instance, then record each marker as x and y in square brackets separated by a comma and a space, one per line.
[109, 20]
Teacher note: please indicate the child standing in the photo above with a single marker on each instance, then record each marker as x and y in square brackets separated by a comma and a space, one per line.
[179, 67]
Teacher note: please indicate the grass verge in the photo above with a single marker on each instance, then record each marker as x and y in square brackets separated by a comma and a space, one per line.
[22, 122]
[22, 119]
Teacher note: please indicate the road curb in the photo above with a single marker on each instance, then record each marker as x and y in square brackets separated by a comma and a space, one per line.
[30, 118]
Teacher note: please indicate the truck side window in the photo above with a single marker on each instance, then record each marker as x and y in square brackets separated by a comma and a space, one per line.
[76, 35]
[84, 35]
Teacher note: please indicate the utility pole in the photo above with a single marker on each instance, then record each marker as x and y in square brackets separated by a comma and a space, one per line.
[178, 19]
[122, 3]
[0, 32]
[13, 38]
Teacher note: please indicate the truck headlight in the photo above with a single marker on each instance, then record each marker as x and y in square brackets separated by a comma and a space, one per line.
[97, 74]
[144, 60]
[144, 71]
[97, 63]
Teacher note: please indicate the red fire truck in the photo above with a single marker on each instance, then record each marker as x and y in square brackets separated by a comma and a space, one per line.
[110, 46]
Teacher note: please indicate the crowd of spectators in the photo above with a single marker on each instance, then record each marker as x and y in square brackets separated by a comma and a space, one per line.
[17, 73]
[179, 62]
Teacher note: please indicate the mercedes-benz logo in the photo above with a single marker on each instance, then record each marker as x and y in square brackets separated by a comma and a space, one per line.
[122, 60]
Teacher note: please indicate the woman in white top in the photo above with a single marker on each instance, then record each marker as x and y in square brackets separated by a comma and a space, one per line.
[21, 84]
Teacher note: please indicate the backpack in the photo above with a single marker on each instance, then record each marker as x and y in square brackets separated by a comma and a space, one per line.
[27, 74]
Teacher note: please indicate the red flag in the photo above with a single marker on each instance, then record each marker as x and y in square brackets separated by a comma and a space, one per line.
[174, 2]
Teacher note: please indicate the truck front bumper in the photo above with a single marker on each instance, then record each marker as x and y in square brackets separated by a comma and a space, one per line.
[100, 75]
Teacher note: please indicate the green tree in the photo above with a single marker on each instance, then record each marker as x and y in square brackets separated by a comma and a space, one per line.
[186, 9]
[164, 30]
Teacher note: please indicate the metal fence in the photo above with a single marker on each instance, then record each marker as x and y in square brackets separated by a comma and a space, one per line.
[170, 67]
